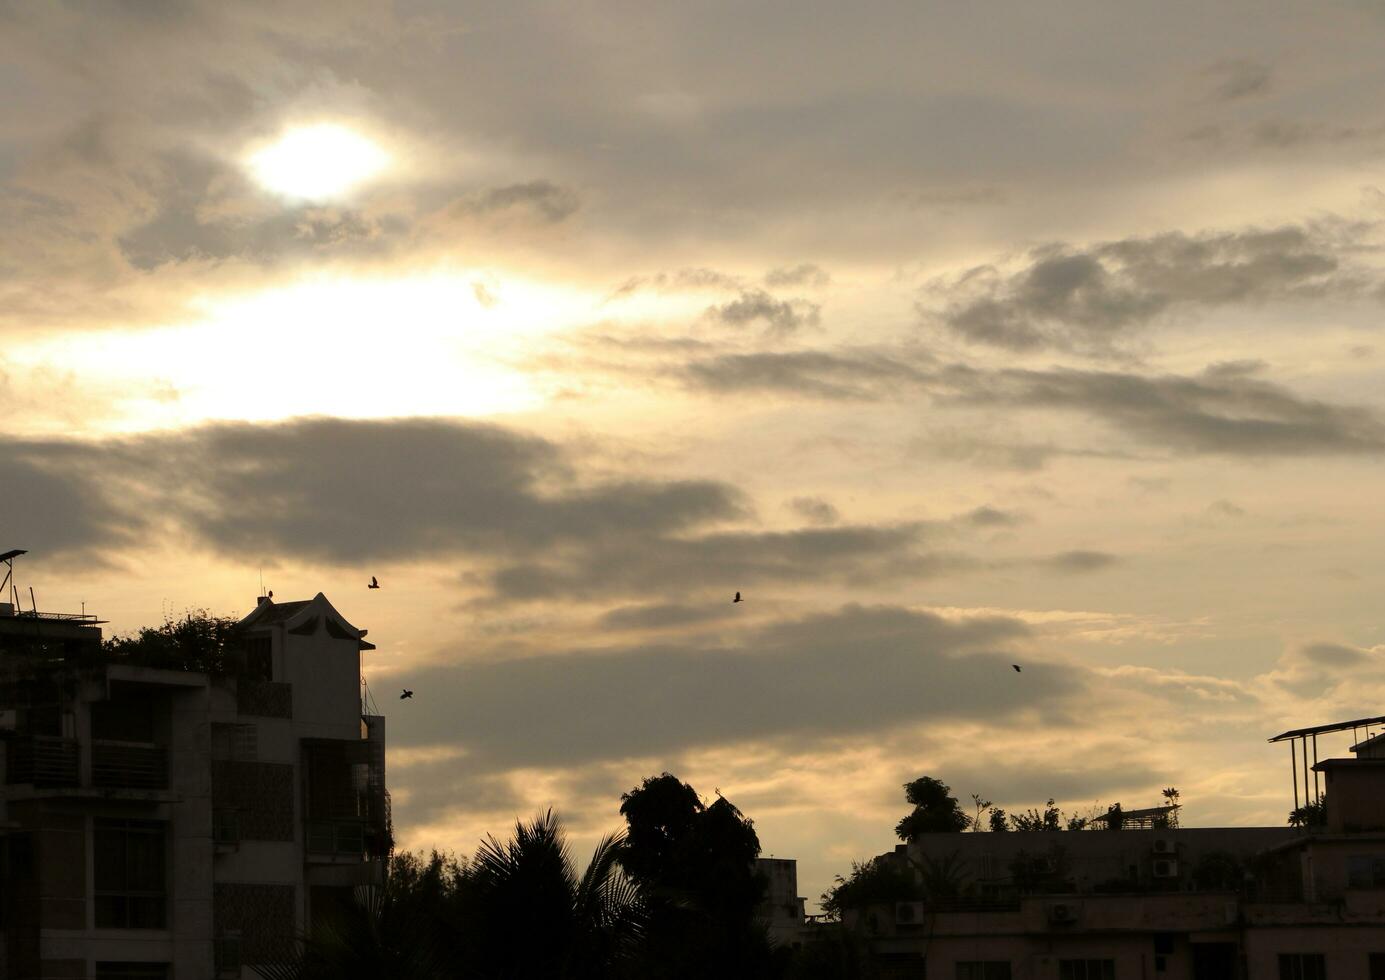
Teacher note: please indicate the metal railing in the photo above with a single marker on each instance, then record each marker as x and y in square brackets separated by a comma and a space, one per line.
[43, 760]
[128, 765]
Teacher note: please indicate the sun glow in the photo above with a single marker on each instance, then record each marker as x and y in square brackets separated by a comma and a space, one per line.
[317, 162]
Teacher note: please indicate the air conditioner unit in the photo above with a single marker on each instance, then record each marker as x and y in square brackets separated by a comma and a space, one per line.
[908, 913]
[1166, 869]
[1061, 913]
[1164, 845]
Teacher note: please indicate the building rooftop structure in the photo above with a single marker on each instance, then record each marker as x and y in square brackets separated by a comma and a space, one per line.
[186, 809]
[1208, 903]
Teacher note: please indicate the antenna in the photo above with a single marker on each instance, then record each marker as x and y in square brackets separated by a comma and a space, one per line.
[261, 580]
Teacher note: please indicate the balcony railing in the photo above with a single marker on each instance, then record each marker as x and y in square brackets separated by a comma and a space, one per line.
[128, 765]
[42, 760]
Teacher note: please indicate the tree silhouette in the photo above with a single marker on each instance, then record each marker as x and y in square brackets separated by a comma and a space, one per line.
[935, 810]
[696, 866]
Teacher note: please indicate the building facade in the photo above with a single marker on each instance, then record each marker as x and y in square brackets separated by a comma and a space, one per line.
[168, 814]
[1239, 903]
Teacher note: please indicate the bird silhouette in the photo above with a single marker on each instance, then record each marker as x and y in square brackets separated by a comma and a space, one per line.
[373, 583]
[407, 694]
[1017, 668]
[738, 598]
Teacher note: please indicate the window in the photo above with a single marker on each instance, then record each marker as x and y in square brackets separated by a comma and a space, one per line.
[1302, 966]
[1377, 961]
[259, 660]
[983, 970]
[1086, 970]
[1365, 871]
[128, 861]
[131, 971]
[234, 742]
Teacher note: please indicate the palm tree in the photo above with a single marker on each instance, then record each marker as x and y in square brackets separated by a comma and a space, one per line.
[531, 915]
[371, 937]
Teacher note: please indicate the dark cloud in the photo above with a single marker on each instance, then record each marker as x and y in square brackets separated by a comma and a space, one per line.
[1225, 508]
[1334, 655]
[1238, 78]
[991, 517]
[663, 615]
[732, 560]
[1226, 410]
[778, 315]
[857, 669]
[815, 509]
[845, 374]
[804, 274]
[1213, 413]
[1090, 298]
[1079, 561]
[344, 490]
[543, 199]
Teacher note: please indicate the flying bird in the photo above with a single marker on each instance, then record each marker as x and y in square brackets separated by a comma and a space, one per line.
[407, 694]
[738, 598]
[373, 583]
[1017, 668]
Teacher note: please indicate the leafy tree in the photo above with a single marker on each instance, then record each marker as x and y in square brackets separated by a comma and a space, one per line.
[935, 810]
[1049, 819]
[1171, 796]
[880, 881]
[1077, 823]
[198, 642]
[1115, 817]
[696, 865]
[1312, 814]
[998, 822]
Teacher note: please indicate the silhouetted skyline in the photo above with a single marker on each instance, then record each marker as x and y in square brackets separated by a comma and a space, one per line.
[950, 339]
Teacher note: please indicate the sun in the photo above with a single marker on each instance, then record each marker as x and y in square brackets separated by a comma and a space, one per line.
[318, 162]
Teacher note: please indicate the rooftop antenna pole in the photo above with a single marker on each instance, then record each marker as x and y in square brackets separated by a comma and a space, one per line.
[32, 604]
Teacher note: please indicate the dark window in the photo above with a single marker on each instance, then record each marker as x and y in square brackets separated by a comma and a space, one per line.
[131, 971]
[259, 661]
[1377, 961]
[123, 721]
[1086, 970]
[128, 861]
[1365, 871]
[1302, 966]
[983, 970]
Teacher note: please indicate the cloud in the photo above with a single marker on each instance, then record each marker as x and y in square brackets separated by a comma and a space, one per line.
[1225, 410]
[804, 274]
[1091, 298]
[543, 199]
[731, 560]
[850, 374]
[662, 616]
[779, 316]
[515, 505]
[1237, 79]
[1079, 561]
[991, 517]
[341, 491]
[815, 509]
[853, 670]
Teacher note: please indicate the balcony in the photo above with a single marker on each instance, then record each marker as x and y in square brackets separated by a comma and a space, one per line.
[337, 838]
[128, 765]
[41, 760]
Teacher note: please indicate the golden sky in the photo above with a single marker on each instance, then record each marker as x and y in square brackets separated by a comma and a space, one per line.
[952, 336]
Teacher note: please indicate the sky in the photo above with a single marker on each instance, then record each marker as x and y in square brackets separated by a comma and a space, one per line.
[951, 336]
